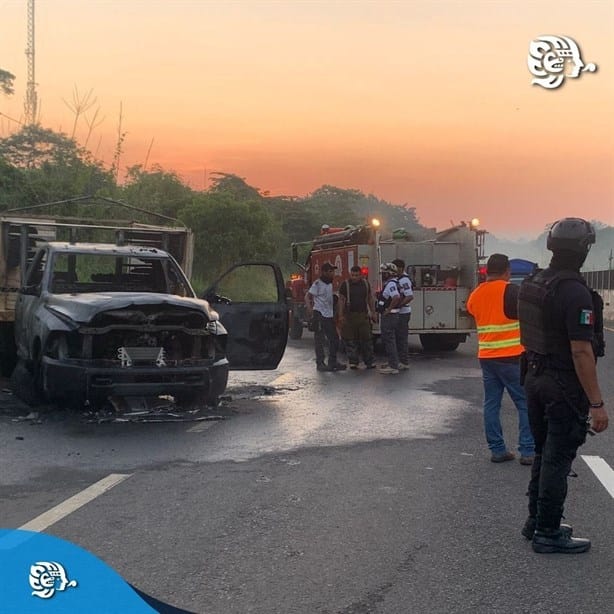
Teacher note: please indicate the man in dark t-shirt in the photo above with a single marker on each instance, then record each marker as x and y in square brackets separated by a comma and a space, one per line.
[356, 312]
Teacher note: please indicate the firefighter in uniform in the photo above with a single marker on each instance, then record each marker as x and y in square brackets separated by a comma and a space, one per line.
[561, 325]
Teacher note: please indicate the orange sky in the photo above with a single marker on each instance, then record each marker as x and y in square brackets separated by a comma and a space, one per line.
[420, 102]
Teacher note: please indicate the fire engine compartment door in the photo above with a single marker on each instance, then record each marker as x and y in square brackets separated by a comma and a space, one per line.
[439, 308]
[251, 301]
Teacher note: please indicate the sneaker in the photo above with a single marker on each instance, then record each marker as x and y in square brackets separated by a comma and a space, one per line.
[371, 365]
[501, 458]
[323, 367]
[526, 460]
[338, 366]
[388, 370]
[353, 365]
[403, 366]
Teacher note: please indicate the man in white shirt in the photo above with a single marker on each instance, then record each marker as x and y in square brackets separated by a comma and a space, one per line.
[407, 296]
[319, 301]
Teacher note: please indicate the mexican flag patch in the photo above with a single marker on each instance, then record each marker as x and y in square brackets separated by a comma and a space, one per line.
[587, 317]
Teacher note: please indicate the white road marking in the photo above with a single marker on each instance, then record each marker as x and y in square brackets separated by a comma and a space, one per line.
[284, 378]
[40, 523]
[203, 426]
[608, 328]
[603, 471]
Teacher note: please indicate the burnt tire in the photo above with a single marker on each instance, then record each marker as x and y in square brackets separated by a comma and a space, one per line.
[23, 385]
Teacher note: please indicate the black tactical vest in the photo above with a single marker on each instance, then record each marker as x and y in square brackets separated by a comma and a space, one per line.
[539, 331]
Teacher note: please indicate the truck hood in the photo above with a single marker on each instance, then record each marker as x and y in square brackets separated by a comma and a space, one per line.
[82, 308]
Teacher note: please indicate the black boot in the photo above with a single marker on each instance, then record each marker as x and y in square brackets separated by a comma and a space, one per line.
[554, 540]
[529, 528]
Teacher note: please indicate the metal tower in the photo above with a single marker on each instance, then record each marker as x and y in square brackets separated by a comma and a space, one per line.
[31, 103]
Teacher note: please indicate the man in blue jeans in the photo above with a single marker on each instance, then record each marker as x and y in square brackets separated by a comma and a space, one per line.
[494, 305]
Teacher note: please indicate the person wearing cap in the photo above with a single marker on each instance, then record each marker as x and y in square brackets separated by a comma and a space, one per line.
[319, 301]
[388, 301]
[493, 304]
[561, 328]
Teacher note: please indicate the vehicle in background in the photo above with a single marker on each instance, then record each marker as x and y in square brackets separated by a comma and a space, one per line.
[521, 269]
[443, 267]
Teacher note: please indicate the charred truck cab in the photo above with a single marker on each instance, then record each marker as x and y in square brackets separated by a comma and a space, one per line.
[98, 320]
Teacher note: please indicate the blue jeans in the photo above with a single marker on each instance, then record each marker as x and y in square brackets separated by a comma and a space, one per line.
[498, 376]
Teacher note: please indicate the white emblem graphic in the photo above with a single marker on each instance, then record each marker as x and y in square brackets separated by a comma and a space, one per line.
[548, 56]
[46, 578]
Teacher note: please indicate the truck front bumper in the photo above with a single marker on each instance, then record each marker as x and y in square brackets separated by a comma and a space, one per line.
[95, 383]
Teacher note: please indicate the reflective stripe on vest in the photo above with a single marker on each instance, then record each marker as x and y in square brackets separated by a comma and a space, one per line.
[498, 335]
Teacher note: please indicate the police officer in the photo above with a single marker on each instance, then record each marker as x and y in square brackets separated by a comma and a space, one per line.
[561, 328]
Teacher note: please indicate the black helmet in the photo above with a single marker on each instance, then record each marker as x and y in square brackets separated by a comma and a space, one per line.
[572, 234]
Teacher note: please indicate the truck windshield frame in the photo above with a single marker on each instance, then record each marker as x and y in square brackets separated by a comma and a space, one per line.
[74, 272]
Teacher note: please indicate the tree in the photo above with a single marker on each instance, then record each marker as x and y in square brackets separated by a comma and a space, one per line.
[51, 167]
[228, 230]
[6, 82]
[233, 184]
[34, 146]
[156, 190]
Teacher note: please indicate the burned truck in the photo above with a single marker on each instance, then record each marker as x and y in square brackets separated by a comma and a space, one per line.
[94, 321]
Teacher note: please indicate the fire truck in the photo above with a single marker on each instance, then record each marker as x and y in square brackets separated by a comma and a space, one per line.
[442, 265]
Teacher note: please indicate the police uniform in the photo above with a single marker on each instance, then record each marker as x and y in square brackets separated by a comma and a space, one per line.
[389, 321]
[556, 307]
[402, 332]
[558, 406]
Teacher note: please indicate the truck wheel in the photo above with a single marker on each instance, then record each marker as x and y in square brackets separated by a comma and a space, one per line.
[24, 386]
[296, 329]
[439, 343]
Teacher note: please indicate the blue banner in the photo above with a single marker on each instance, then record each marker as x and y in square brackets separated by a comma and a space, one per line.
[42, 573]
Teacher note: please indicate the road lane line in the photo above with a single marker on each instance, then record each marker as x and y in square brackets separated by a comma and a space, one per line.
[603, 471]
[46, 519]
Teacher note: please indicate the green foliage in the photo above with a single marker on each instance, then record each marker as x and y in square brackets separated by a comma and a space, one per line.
[228, 230]
[38, 165]
[6, 82]
[156, 190]
[232, 184]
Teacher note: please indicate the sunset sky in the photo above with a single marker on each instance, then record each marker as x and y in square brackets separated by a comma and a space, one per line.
[420, 102]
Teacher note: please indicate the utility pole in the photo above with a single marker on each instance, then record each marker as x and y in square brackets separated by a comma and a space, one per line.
[31, 103]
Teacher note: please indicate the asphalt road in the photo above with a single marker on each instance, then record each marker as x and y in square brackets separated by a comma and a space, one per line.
[344, 493]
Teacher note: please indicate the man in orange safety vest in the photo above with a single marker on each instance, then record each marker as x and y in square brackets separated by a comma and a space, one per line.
[494, 305]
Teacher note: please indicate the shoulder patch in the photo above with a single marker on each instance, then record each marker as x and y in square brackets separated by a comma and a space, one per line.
[587, 318]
